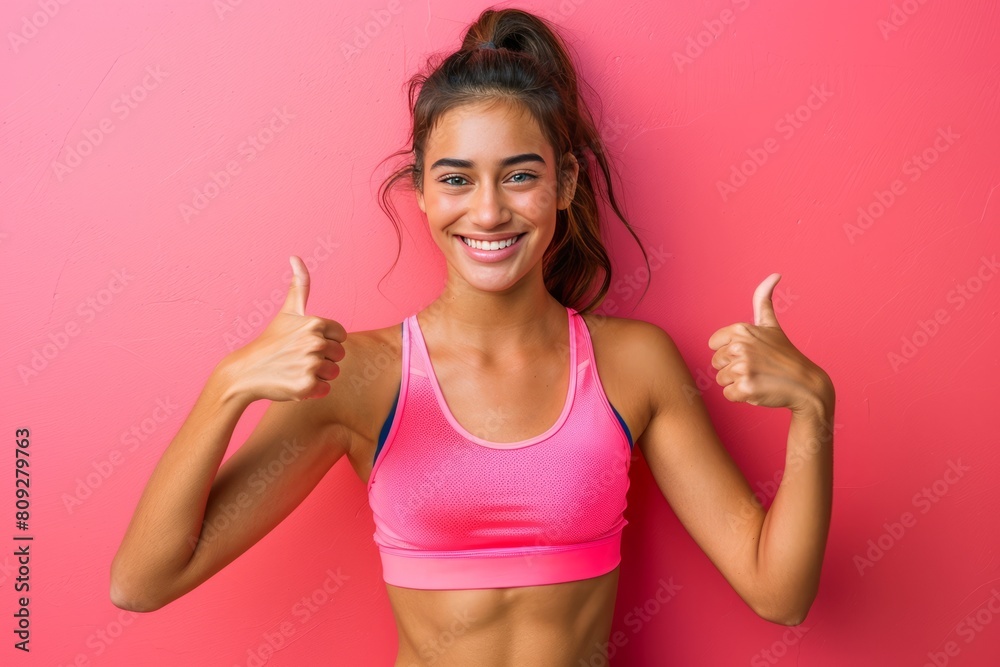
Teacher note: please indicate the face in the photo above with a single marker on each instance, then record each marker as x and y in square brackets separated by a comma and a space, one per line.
[490, 176]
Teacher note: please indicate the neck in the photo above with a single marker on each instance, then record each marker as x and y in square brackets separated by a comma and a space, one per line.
[493, 322]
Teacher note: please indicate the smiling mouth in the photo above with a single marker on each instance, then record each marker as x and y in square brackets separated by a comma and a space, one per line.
[491, 245]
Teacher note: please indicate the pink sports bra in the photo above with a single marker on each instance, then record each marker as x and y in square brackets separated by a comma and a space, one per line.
[455, 511]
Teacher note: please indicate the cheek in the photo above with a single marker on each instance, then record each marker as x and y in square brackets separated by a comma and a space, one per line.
[441, 206]
[544, 200]
[537, 204]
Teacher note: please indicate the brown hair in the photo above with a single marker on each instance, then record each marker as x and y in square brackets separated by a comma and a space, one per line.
[530, 65]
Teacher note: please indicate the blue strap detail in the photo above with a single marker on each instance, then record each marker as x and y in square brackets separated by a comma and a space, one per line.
[624, 425]
[386, 426]
[384, 433]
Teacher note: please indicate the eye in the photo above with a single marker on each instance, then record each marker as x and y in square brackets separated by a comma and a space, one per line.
[518, 178]
[449, 178]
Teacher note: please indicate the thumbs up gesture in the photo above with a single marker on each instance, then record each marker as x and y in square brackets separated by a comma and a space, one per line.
[295, 357]
[757, 364]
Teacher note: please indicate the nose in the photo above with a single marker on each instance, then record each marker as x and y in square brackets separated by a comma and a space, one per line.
[487, 207]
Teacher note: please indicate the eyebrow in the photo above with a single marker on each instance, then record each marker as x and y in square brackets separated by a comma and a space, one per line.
[457, 163]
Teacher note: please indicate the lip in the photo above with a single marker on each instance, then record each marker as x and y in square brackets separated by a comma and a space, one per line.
[491, 238]
[490, 256]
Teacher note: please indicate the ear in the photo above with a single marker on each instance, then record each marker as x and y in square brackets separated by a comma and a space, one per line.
[420, 200]
[570, 172]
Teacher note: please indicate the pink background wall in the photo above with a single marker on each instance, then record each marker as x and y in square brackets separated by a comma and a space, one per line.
[119, 300]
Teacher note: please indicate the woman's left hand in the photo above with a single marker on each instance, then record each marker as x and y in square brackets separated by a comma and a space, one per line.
[757, 364]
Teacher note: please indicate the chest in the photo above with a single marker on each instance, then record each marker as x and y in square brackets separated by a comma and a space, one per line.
[509, 403]
[503, 405]
[438, 485]
[520, 400]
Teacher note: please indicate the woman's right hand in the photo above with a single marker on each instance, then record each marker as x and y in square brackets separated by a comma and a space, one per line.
[295, 356]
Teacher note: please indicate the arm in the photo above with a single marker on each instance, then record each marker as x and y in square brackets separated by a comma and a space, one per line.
[774, 571]
[191, 522]
[794, 532]
[192, 518]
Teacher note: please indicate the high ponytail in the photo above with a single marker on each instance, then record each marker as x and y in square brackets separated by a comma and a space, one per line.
[530, 66]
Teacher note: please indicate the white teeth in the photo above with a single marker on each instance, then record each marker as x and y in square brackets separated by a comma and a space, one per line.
[489, 245]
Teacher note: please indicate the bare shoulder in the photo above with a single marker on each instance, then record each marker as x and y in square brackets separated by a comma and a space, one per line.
[628, 342]
[369, 377]
[639, 363]
[635, 331]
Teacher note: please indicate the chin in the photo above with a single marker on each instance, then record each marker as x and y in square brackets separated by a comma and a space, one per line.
[494, 286]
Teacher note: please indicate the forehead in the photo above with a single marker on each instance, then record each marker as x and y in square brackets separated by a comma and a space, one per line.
[494, 129]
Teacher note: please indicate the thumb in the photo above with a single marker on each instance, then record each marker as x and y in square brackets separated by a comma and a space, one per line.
[298, 291]
[763, 308]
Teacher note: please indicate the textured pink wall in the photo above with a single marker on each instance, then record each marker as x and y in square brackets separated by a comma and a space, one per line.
[161, 161]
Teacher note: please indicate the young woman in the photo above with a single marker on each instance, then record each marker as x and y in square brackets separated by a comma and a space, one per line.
[495, 454]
